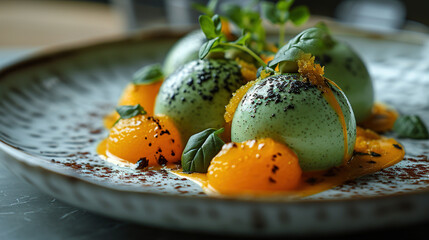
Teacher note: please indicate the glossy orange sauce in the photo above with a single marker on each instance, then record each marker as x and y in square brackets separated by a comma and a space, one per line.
[366, 161]
[382, 118]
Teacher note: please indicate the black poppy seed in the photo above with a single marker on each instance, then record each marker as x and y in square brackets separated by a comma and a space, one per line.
[161, 160]
[142, 163]
[397, 146]
[374, 154]
[274, 169]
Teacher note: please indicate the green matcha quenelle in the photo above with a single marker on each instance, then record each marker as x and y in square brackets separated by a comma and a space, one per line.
[342, 65]
[298, 113]
[184, 51]
[195, 95]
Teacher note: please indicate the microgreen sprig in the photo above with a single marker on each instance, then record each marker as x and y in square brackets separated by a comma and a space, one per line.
[248, 21]
[281, 12]
[208, 9]
[216, 41]
[129, 111]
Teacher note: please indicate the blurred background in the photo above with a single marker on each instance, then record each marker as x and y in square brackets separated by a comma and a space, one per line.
[41, 23]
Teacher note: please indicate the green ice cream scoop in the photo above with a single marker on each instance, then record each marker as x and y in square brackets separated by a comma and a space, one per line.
[298, 114]
[342, 65]
[183, 51]
[196, 94]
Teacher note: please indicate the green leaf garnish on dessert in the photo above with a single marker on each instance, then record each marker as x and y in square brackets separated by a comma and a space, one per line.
[208, 9]
[148, 74]
[410, 126]
[313, 40]
[280, 13]
[217, 41]
[200, 150]
[129, 111]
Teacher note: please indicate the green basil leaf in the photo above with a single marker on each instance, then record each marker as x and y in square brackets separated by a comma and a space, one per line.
[313, 40]
[243, 39]
[201, 8]
[200, 150]
[234, 13]
[299, 15]
[217, 23]
[269, 12]
[129, 111]
[207, 26]
[148, 74]
[206, 47]
[211, 5]
[208, 9]
[410, 126]
[284, 5]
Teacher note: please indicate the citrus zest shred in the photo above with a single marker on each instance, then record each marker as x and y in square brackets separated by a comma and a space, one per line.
[311, 71]
[235, 100]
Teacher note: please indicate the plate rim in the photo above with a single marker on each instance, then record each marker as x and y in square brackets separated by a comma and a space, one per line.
[153, 34]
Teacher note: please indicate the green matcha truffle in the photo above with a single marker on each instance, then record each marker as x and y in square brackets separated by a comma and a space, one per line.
[342, 65]
[294, 112]
[184, 51]
[195, 95]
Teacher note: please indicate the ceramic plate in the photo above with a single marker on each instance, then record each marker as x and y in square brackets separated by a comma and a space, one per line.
[51, 109]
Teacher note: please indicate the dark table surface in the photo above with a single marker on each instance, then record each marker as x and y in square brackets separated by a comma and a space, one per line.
[27, 213]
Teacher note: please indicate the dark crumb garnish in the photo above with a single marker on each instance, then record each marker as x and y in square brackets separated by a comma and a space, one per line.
[271, 180]
[372, 162]
[311, 181]
[360, 153]
[374, 154]
[161, 160]
[274, 169]
[397, 146]
[142, 163]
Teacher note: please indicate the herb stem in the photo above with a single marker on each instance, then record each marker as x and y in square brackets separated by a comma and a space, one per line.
[247, 50]
[281, 34]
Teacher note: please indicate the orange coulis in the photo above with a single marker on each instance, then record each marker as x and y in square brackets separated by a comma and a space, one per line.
[151, 140]
[257, 167]
[248, 169]
[382, 118]
[143, 94]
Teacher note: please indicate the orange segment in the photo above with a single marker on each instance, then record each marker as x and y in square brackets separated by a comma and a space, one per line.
[254, 166]
[143, 94]
[382, 118]
[248, 70]
[152, 139]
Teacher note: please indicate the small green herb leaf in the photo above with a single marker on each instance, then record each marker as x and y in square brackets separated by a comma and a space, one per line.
[234, 13]
[313, 40]
[148, 74]
[243, 39]
[129, 111]
[410, 126]
[269, 12]
[207, 26]
[206, 47]
[217, 23]
[284, 5]
[200, 150]
[208, 9]
[299, 15]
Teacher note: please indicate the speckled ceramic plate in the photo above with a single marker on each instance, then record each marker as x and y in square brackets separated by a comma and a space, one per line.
[51, 109]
